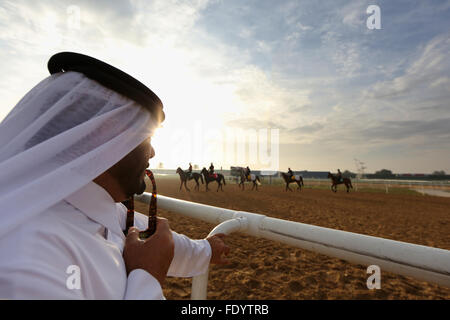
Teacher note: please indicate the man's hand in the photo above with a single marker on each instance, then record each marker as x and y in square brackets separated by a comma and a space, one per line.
[218, 248]
[154, 254]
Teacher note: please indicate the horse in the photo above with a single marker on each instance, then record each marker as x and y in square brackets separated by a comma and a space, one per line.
[244, 177]
[219, 178]
[184, 177]
[288, 179]
[335, 182]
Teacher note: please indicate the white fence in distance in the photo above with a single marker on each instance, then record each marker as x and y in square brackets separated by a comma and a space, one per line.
[431, 187]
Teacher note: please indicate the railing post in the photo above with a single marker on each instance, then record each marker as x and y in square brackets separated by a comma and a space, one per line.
[200, 283]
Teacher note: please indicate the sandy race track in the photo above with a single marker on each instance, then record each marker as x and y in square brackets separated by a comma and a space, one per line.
[262, 269]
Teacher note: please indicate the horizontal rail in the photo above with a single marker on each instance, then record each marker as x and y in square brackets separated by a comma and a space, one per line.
[417, 261]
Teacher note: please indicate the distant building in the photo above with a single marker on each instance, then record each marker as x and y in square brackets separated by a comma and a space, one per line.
[313, 174]
[236, 172]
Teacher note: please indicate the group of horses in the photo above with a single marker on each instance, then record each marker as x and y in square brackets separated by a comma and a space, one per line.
[186, 176]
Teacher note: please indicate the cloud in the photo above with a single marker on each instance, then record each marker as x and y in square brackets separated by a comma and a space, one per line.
[253, 123]
[399, 130]
[418, 98]
[303, 27]
[428, 73]
[307, 129]
[354, 14]
[344, 54]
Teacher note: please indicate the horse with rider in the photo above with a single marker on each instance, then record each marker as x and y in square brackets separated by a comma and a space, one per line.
[289, 178]
[338, 179]
[210, 176]
[189, 175]
[246, 175]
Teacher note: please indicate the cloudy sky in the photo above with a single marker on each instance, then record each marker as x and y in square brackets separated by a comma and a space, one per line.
[309, 76]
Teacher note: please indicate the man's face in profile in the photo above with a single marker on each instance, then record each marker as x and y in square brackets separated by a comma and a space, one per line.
[130, 171]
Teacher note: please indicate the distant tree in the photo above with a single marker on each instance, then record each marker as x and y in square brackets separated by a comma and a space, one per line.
[439, 173]
[384, 173]
[160, 165]
[348, 174]
[195, 166]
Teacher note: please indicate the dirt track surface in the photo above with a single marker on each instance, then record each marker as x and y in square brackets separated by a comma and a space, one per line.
[262, 269]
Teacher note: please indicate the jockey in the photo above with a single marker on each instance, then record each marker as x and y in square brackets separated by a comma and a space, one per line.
[290, 173]
[211, 169]
[339, 175]
[248, 172]
[189, 171]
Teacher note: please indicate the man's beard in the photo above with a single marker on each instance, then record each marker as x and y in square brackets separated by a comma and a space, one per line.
[142, 187]
[132, 189]
[130, 185]
[129, 174]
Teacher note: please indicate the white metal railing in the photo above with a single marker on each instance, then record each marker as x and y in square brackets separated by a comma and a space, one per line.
[417, 261]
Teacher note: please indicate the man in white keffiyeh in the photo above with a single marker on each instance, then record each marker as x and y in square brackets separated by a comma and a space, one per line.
[71, 150]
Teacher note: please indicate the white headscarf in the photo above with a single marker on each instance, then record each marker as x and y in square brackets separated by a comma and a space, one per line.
[64, 133]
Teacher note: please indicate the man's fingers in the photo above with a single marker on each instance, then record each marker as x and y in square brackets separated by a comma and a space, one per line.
[162, 230]
[225, 251]
[132, 235]
[219, 248]
[162, 225]
[162, 221]
[221, 235]
[132, 231]
[223, 260]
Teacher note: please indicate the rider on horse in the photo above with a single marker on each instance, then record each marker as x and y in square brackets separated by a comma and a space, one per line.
[248, 173]
[211, 169]
[290, 173]
[189, 171]
[339, 176]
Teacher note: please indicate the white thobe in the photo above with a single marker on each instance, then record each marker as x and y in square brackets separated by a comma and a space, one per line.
[74, 251]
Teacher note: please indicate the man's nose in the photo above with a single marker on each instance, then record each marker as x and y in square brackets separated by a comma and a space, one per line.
[152, 152]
